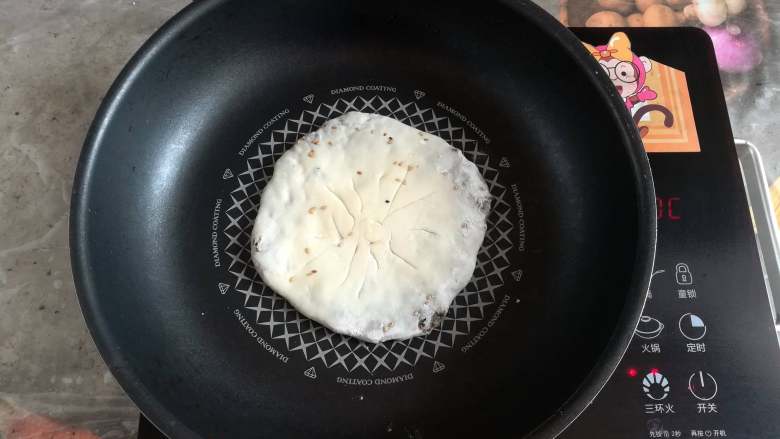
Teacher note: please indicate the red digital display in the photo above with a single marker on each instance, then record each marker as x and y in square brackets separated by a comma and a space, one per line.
[668, 208]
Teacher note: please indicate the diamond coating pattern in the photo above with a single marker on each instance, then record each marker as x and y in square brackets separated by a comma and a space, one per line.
[314, 341]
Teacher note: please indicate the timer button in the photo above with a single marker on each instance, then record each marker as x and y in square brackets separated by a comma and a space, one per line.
[692, 327]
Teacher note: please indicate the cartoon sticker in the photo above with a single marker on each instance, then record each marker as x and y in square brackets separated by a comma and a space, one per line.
[655, 94]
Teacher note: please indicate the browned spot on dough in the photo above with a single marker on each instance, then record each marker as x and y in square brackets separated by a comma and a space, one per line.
[306, 250]
[311, 210]
[311, 153]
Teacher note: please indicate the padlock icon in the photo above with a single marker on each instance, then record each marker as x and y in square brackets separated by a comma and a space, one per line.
[683, 274]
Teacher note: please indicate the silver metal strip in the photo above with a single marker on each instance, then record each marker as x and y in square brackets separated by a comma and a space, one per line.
[764, 221]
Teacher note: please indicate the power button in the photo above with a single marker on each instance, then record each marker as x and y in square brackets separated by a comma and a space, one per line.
[702, 385]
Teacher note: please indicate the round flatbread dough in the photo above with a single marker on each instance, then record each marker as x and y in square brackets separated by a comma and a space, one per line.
[371, 227]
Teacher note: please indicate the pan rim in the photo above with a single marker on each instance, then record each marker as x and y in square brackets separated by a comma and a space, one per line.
[647, 229]
[137, 391]
[609, 359]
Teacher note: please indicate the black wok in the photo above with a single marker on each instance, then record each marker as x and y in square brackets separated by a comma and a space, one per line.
[174, 164]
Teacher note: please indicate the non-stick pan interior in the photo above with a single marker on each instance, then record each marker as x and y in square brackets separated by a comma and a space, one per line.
[178, 156]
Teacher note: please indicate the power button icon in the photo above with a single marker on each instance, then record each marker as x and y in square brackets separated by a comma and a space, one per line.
[702, 386]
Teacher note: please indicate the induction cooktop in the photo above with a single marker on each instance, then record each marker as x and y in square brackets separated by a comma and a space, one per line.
[705, 358]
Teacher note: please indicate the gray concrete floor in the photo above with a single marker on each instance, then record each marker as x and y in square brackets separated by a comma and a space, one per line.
[57, 58]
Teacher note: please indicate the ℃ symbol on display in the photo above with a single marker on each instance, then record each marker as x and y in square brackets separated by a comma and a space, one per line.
[438, 367]
[227, 175]
[308, 98]
[223, 287]
[419, 94]
[310, 373]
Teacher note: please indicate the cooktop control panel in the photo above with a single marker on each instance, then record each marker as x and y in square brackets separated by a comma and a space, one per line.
[705, 358]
